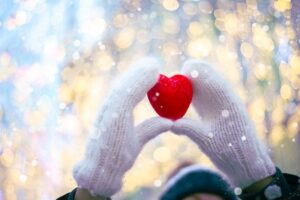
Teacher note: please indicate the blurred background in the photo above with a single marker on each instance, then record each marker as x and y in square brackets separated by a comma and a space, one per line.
[58, 60]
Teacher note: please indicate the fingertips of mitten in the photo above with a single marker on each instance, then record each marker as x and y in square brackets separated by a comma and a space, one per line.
[197, 70]
[204, 76]
[212, 93]
[133, 86]
[191, 128]
[151, 128]
[80, 176]
[146, 74]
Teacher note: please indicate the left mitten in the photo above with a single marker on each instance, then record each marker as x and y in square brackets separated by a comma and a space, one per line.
[115, 142]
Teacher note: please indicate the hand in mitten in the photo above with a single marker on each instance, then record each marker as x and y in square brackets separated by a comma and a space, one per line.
[115, 142]
[225, 133]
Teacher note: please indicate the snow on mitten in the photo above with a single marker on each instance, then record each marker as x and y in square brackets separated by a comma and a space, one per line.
[115, 142]
[225, 133]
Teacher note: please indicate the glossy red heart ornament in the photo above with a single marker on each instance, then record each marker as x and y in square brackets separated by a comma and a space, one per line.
[171, 97]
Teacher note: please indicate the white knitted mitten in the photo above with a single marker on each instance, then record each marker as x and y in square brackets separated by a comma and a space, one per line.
[224, 133]
[115, 142]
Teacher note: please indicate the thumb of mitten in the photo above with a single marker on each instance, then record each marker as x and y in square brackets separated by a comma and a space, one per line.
[151, 128]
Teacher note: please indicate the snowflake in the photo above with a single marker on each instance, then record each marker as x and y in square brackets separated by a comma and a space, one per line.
[210, 135]
[225, 113]
[273, 192]
[237, 191]
[194, 74]
[157, 183]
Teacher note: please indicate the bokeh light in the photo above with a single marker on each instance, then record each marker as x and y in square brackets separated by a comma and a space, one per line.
[58, 60]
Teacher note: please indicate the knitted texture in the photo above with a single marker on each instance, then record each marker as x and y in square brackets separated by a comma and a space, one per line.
[225, 132]
[115, 142]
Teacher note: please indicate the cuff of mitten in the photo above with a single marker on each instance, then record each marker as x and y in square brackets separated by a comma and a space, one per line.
[277, 189]
[242, 174]
[98, 182]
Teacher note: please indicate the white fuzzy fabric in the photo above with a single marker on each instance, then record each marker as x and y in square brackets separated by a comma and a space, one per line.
[225, 132]
[115, 142]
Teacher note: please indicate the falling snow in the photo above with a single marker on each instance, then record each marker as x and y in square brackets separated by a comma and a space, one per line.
[157, 183]
[194, 74]
[50, 65]
[225, 113]
[237, 191]
[243, 138]
[273, 192]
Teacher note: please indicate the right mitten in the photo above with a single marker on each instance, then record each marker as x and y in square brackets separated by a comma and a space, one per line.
[224, 133]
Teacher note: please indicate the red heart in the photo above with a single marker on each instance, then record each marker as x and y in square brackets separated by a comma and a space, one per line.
[171, 97]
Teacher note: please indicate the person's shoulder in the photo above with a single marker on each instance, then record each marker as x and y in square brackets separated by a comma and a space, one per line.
[283, 186]
[293, 182]
[68, 196]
